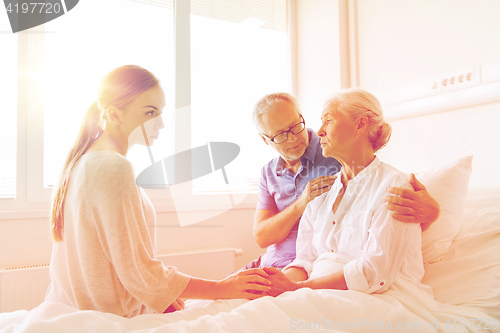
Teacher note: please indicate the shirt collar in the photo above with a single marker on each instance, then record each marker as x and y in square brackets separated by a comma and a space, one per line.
[309, 154]
[374, 165]
[337, 185]
[280, 166]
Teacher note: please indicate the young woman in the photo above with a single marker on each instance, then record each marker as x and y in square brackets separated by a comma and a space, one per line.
[348, 238]
[103, 256]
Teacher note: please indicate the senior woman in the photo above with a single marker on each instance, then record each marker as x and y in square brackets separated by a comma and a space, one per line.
[347, 237]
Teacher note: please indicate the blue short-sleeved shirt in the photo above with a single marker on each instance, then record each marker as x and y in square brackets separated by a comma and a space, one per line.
[279, 187]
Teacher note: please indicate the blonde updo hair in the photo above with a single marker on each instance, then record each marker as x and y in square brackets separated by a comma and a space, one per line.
[354, 103]
[268, 103]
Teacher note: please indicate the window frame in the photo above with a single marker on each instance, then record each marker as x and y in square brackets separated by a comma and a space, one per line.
[32, 198]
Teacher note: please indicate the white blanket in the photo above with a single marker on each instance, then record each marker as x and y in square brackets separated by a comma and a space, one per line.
[342, 311]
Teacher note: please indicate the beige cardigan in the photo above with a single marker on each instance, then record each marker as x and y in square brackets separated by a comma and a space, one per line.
[106, 260]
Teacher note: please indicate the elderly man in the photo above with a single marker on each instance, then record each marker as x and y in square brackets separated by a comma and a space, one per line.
[301, 173]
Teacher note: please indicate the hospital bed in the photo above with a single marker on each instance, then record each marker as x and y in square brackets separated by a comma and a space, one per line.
[463, 270]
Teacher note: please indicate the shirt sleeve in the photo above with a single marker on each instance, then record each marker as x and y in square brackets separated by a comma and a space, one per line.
[383, 253]
[306, 252]
[124, 237]
[265, 200]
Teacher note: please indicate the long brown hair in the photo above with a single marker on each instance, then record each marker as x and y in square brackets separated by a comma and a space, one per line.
[118, 88]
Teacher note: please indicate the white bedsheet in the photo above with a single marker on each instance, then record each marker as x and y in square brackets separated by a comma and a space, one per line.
[466, 286]
[343, 311]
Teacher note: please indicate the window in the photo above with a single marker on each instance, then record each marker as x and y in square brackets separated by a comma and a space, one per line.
[79, 54]
[8, 123]
[238, 51]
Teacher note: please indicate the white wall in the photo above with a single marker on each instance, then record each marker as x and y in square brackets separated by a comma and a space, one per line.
[233, 228]
[318, 55]
[24, 242]
[425, 142]
[27, 241]
[407, 40]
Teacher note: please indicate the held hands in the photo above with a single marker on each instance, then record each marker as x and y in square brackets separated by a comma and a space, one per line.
[256, 282]
[177, 305]
[413, 206]
[280, 282]
[316, 187]
[251, 283]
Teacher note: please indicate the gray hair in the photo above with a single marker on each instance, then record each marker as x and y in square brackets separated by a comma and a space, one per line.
[267, 103]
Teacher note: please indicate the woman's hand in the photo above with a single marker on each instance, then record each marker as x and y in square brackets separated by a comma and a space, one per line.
[251, 283]
[177, 305]
[280, 282]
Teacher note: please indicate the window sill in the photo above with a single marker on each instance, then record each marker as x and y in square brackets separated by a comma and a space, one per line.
[199, 204]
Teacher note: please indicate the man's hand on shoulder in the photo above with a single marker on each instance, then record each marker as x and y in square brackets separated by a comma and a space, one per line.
[316, 187]
[272, 227]
[415, 205]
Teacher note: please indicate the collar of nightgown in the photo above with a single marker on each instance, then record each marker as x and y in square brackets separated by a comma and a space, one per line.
[364, 173]
[351, 185]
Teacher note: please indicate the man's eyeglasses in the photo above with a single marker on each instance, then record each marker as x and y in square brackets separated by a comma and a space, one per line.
[283, 136]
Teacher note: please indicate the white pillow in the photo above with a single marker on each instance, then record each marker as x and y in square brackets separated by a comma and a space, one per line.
[468, 274]
[448, 186]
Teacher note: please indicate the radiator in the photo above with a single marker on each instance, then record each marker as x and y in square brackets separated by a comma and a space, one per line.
[24, 287]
